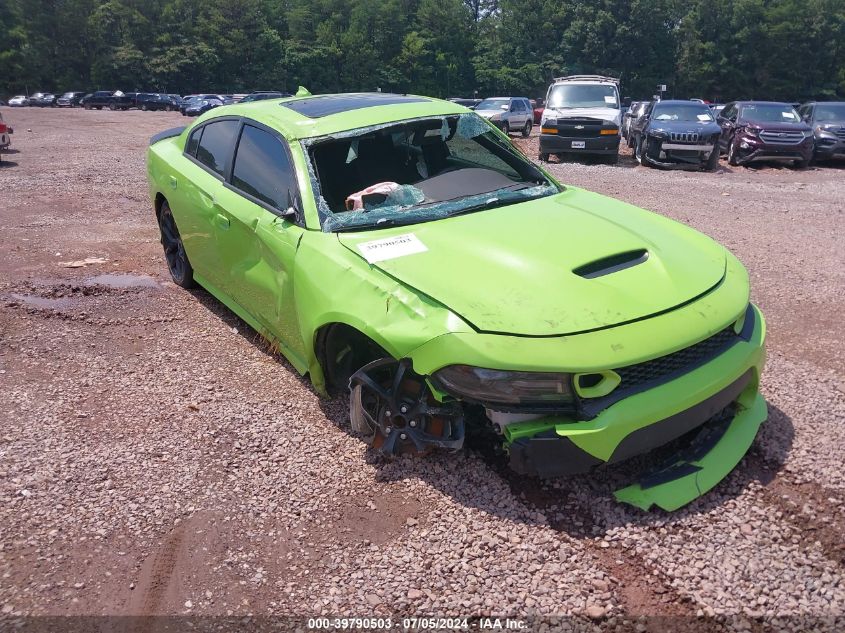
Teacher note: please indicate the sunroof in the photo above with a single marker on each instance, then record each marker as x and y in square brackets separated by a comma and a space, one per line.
[325, 105]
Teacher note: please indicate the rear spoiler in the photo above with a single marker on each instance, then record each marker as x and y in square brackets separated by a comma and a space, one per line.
[174, 131]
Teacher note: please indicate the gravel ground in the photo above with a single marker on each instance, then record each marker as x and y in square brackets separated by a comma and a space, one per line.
[157, 458]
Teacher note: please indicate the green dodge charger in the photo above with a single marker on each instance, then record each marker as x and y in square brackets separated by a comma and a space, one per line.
[400, 247]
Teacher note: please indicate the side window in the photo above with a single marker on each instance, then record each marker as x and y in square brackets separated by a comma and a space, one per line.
[216, 144]
[193, 142]
[263, 168]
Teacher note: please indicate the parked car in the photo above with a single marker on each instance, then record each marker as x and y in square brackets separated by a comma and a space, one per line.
[70, 99]
[827, 119]
[582, 116]
[46, 100]
[634, 112]
[764, 130]
[19, 101]
[155, 101]
[35, 96]
[509, 114]
[467, 103]
[5, 136]
[203, 104]
[191, 100]
[581, 329]
[539, 108]
[111, 99]
[263, 96]
[676, 133]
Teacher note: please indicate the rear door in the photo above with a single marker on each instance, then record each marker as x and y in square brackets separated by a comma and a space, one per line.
[258, 239]
[195, 205]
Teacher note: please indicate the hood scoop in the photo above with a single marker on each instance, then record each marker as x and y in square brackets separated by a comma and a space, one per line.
[611, 264]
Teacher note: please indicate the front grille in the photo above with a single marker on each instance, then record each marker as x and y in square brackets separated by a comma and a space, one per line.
[684, 137]
[784, 138]
[840, 132]
[579, 128]
[682, 361]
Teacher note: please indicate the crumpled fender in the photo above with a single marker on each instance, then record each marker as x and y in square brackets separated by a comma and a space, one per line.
[395, 316]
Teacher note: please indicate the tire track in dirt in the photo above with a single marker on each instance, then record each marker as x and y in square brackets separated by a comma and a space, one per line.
[157, 576]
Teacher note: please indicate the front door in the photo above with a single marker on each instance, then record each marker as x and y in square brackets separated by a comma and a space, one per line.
[257, 240]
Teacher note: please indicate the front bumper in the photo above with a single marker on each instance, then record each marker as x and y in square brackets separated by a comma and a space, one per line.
[641, 422]
[751, 148]
[600, 145]
[828, 145]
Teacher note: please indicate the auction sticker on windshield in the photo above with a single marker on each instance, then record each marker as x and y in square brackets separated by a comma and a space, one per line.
[391, 248]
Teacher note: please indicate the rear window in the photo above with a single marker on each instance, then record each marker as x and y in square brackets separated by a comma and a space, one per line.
[216, 145]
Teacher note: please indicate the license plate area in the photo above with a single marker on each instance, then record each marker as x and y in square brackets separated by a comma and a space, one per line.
[578, 144]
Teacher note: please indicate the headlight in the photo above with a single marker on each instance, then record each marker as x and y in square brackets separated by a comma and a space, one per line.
[550, 121]
[662, 134]
[493, 386]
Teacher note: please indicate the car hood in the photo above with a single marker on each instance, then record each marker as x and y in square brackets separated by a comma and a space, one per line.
[771, 126]
[546, 267]
[706, 127]
[605, 114]
[487, 114]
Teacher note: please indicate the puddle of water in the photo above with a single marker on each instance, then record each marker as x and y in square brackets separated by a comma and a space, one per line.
[42, 302]
[122, 281]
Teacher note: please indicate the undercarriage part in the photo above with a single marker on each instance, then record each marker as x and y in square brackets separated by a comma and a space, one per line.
[395, 411]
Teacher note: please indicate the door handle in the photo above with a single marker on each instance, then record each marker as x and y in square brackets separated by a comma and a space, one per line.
[222, 221]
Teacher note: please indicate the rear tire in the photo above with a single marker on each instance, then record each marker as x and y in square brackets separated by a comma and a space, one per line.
[143, 107]
[112, 107]
[180, 268]
[526, 129]
[506, 128]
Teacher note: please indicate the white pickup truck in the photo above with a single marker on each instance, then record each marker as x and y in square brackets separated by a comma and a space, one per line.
[582, 116]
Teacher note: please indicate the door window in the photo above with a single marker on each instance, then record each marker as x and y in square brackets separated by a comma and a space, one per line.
[216, 144]
[193, 142]
[263, 168]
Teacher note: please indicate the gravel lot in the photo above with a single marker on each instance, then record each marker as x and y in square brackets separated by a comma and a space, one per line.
[157, 458]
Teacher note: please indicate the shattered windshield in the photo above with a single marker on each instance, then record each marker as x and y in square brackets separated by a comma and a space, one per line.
[417, 171]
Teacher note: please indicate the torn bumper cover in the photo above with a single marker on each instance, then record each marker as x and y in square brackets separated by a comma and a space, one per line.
[720, 399]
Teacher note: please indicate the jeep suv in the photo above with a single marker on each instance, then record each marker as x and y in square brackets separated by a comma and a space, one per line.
[582, 116]
[828, 122]
[509, 114]
[764, 130]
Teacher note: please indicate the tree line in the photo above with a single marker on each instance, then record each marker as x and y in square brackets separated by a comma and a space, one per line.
[713, 49]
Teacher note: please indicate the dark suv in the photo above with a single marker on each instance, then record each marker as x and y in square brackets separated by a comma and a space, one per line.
[70, 99]
[764, 130]
[676, 133]
[147, 101]
[828, 122]
[109, 99]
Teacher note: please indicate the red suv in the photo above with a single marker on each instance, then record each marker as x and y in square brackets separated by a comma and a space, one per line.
[764, 130]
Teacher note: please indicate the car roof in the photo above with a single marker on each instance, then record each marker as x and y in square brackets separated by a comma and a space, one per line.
[778, 103]
[680, 102]
[333, 113]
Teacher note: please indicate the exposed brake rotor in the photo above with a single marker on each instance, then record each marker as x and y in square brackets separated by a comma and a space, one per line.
[395, 411]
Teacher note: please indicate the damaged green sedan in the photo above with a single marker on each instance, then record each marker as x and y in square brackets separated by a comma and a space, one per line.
[400, 247]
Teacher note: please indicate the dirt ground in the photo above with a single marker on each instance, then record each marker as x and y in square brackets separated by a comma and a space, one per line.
[157, 458]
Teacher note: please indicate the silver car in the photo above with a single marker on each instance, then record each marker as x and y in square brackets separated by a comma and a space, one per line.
[509, 114]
